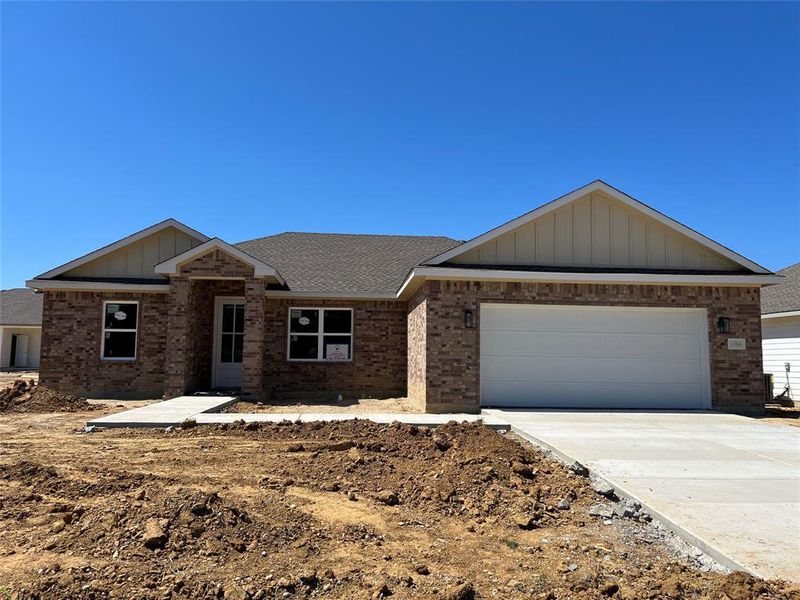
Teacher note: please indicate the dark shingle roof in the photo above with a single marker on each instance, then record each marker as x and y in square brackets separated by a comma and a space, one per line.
[784, 296]
[20, 306]
[340, 262]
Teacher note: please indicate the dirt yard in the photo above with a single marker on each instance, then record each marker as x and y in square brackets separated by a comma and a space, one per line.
[339, 510]
[359, 406]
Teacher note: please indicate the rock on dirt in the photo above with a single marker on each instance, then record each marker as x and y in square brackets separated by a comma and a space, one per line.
[155, 535]
[603, 488]
[602, 511]
[463, 591]
[26, 396]
[387, 497]
[579, 469]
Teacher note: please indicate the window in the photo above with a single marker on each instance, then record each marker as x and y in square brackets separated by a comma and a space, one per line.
[120, 320]
[232, 333]
[324, 334]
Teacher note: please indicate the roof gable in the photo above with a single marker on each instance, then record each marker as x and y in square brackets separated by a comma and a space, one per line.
[597, 226]
[135, 256]
[224, 256]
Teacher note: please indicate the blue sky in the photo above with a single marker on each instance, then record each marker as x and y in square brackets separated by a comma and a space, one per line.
[246, 119]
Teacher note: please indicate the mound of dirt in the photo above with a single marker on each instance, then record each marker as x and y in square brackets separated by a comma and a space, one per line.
[324, 510]
[26, 396]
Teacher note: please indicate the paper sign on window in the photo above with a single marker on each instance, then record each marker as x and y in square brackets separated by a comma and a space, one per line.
[336, 351]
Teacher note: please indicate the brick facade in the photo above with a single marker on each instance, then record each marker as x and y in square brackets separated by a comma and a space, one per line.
[452, 352]
[176, 333]
[420, 348]
[72, 325]
[378, 367]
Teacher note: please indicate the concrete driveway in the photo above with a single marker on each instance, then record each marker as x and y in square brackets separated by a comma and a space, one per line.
[728, 484]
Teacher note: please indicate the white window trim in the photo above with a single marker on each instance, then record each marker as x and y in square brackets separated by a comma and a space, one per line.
[319, 334]
[103, 332]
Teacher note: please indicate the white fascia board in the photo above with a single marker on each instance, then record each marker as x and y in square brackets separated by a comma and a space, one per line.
[334, 295]
[456, 274]
[260, 269]
[599, 185]
[12, 326]
[122, 243]
[98, 286]
[778, 315]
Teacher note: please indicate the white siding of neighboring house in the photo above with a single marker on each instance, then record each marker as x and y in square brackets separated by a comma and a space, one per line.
[34, 345]
[781, 344]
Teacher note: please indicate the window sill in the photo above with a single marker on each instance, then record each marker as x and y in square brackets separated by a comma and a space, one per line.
[117, 360]
[319, 360]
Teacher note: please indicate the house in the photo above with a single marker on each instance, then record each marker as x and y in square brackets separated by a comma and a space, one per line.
[20, 328]
[593, 300]
[780, 329]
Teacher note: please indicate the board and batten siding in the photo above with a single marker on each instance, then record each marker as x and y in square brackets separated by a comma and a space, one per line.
[139, 258]
[596, 231]
[781, 344]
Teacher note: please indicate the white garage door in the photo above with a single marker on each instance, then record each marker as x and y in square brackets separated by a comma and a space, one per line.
[593, 357]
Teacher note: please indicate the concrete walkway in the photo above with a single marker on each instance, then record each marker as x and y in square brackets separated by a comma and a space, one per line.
[166, 413]
[203, 410]
[729, 485]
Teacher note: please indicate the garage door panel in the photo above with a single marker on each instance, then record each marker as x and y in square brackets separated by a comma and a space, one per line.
[519, 317]
[591, 356]
[598, 370]
[590, 344]
[594, 395]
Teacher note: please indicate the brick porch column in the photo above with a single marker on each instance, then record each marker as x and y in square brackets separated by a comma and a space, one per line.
[176, 360]
[253, 352]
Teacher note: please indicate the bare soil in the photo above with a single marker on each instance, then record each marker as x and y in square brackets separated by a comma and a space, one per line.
[782, 415]
[358, 406]
[338, 510]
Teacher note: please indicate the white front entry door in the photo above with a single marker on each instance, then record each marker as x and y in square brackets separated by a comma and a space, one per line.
[536, 355]
[228, 342]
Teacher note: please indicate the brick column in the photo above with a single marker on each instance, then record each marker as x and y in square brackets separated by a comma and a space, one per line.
[253, 352]
[176, 361]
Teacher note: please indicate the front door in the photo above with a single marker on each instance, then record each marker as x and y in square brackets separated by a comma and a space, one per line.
[228, 342]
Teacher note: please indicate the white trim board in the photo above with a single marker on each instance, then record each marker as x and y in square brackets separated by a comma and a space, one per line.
[778, 315]
[122, 243]
[602, 186]
[260, 269]
[100, 286]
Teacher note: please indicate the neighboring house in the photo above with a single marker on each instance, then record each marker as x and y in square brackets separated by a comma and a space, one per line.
[780, 329]
[593, 300]
[20, 328]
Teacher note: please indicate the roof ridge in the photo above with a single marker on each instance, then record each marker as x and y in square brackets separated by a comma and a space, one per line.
[401, 235]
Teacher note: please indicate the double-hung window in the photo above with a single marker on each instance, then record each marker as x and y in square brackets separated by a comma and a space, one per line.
[120, 325]
[322, 334]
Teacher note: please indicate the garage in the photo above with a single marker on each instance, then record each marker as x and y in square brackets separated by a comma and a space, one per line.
[557, 356]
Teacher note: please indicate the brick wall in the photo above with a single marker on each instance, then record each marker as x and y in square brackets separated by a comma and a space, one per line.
[71, 336]
[453, 352]
[216, 264]
[379, 353]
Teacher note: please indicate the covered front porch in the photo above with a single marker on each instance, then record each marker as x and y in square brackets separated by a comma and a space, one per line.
[216, 317]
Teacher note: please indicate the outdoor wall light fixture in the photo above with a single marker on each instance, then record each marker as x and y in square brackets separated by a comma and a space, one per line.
[724, 325]
[469, 319]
